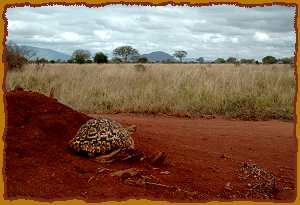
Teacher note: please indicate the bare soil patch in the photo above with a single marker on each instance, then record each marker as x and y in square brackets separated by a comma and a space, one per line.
[206, 159]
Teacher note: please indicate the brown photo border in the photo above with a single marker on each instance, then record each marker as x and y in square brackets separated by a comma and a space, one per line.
[5, 4]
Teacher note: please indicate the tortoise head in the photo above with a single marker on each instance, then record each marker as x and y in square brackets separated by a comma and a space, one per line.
[131, 129]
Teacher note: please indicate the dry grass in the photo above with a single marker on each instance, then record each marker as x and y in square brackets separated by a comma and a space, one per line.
[246, 91]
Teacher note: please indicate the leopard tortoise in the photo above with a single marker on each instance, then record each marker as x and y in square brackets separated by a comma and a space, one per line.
[102, 138]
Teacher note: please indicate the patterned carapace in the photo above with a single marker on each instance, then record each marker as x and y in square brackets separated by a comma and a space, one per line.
[102, 136]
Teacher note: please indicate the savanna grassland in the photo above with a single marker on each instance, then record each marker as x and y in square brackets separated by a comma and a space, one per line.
[245, 91]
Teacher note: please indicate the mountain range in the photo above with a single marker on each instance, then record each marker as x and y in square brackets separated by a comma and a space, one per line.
[46, 53]
[50, 54]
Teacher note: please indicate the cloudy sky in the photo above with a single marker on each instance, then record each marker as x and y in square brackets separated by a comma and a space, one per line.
[208, 31]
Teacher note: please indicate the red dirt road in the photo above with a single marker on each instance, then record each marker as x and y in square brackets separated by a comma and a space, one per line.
[197, 147]
[203, 156]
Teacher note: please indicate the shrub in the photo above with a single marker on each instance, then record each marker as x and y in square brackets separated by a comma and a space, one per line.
[231, 60]
[100, 58]
[116, 60]
[15, 57]
[219, 60]
[286, 60]
[247, 61]
[269, 60]
[142, 60]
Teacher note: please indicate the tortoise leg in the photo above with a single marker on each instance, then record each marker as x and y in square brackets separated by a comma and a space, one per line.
[133, 155]
[108, 157]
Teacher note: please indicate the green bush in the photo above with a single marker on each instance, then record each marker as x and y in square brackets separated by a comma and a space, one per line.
[219, 60]
[100, 58]
[247, 61]
[142, 60]
[231, 60]
[269, 60]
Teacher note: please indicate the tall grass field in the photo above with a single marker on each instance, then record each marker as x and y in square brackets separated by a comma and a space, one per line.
[245, 91]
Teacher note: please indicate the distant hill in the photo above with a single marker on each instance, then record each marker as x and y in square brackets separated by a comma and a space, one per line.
[159, 56]
[48, 54]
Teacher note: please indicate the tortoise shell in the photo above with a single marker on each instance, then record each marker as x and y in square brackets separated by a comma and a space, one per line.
[102, 136]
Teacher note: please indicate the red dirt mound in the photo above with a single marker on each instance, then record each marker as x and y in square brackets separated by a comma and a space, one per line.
[38, 129]
[205, 158]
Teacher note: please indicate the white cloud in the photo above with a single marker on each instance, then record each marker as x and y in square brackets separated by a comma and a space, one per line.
[217, 38]
[102, 35]
[234, 39]
[260, 36]
[15, 25]
[39, 38]
[69, 37]
[211, 38]
[65, 37]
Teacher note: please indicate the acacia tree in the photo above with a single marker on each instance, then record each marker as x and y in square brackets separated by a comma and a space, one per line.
[81, 56]
[125, 52]
[180, 54]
